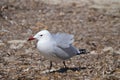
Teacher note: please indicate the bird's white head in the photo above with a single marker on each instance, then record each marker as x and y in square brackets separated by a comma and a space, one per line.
[44, 34]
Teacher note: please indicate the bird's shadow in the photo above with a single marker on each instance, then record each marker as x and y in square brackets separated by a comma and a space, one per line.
[64, 70]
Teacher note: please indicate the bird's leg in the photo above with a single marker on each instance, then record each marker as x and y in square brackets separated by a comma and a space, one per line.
[64, 64]
[50, 65]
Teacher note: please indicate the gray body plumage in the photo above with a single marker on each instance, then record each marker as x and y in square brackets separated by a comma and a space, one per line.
[64, 49]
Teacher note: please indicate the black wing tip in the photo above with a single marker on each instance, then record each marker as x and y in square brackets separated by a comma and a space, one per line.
[82, 51]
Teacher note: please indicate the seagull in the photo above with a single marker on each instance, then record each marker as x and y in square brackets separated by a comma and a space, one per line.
[56, 47]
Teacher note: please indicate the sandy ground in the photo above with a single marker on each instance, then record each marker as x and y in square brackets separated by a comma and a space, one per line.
[94, 30]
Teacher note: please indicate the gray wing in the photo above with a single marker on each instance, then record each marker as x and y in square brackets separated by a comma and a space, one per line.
[65, 53]
[63, 40]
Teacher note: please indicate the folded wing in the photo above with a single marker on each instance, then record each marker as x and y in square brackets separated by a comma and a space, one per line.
[65, 53]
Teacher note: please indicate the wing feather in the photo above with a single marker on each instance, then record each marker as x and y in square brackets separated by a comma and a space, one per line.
[63, 39]
[65, 53]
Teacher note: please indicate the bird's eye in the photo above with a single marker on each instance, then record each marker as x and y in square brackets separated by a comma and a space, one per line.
[41, 35]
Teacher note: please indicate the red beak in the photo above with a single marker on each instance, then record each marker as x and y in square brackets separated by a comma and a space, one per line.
[31, 38]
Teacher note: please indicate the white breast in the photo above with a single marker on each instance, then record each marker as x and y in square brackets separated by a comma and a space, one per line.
[46, 50]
